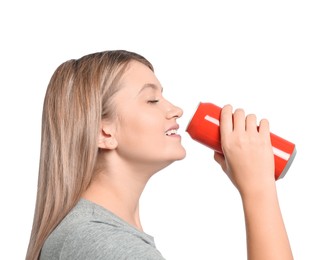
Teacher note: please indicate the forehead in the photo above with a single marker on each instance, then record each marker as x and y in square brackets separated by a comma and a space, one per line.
[139, 76]
[151, 86]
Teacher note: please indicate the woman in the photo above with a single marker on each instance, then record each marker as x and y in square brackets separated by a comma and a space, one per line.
[106, 130]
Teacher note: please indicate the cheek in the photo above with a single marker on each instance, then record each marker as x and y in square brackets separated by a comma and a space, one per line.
[140, 138]
[140, 128]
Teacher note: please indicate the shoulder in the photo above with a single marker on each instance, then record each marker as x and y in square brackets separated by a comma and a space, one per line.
[91, 232]
[96, 240]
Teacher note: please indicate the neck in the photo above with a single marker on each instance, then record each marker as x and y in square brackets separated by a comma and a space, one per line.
[119, 193]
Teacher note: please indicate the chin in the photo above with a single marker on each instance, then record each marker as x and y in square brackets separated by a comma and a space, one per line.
[174, 155]
[181, 154]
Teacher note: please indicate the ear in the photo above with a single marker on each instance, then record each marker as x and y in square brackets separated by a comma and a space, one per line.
[106, 138]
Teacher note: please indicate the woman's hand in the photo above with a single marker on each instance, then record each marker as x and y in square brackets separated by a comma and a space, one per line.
[247, 157]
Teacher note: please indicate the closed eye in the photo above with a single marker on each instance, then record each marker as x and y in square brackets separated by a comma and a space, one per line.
[152, 101]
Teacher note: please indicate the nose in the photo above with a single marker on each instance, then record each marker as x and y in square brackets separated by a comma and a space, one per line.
[174, 111]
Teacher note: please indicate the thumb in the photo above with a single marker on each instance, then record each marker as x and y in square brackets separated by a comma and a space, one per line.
[219, 158]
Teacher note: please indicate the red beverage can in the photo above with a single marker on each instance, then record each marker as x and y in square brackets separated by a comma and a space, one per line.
[204, 127]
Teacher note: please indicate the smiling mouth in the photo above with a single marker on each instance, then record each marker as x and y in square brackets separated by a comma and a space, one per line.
[171, 132]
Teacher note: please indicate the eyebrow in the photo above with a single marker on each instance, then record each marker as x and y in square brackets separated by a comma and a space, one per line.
[152, 86]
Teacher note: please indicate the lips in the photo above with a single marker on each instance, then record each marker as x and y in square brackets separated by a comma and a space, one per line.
[172, 130]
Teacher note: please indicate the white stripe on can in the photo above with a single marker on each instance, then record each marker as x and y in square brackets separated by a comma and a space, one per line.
[212, 120]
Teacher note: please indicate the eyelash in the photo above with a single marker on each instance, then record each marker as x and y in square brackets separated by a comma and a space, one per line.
[153, 101]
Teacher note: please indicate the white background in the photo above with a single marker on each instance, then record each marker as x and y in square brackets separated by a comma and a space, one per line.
[269, 57]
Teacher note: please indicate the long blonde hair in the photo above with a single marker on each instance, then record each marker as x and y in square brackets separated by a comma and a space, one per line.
[78, 97]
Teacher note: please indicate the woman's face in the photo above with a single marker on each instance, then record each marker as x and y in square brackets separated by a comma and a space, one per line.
[146, 130]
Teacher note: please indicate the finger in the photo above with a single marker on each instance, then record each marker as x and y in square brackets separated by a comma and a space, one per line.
[239, 120]
[226, 124]
[251, 123]
[264, 127]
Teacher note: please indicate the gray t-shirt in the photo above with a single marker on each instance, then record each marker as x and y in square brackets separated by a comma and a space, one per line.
[90, 231]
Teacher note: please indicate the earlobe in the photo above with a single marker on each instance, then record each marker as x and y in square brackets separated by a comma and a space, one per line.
[106, 139]
[107, 143]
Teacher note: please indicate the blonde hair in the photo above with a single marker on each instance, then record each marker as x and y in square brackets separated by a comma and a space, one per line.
[78, 97]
